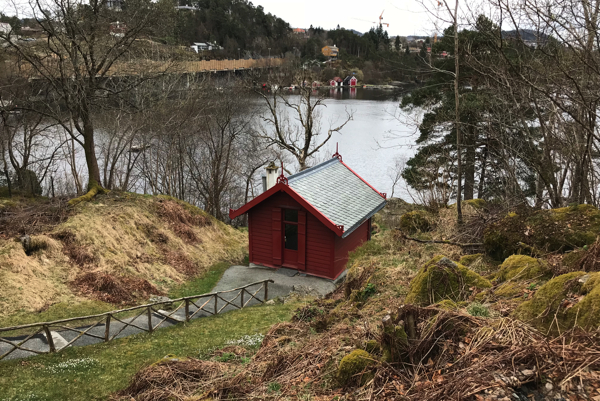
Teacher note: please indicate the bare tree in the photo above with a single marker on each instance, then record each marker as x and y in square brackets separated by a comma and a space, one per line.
[84, 41]
[293, 120]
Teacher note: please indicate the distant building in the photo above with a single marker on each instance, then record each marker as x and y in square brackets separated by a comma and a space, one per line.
[337, 81]
[300, 32]
[118, 29]
[350, 81]
[204, 46]
[330, 51]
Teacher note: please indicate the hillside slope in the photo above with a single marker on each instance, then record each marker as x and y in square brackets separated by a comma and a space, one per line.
[120, 249]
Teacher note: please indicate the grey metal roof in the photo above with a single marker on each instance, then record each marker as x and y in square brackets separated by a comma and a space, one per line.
[338, 193]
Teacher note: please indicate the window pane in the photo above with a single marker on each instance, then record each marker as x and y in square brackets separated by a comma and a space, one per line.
[291, 237]
[290, 215]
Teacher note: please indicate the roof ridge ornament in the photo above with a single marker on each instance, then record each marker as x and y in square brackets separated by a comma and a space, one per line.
[282, 179]
[337, 155]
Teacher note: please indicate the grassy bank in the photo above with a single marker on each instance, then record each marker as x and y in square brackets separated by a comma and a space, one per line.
[200, 284]
[94, 372]
[117, 250]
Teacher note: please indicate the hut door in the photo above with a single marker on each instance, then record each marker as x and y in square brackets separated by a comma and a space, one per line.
[290, 238]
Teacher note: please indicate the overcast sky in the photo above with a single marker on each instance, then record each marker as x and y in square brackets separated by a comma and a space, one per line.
[406, 17]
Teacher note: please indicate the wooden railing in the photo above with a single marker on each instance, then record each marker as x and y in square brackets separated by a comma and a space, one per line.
[107, 326]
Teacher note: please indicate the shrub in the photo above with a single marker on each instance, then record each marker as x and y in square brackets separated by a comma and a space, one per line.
[547, 230]
[417, 220]
[477, 309]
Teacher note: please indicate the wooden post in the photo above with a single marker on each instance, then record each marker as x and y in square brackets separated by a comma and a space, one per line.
[216, 304]
[266, 291]
[243, 289]
[107, 328]
[150, 319]
[187, 310]
[49, 338]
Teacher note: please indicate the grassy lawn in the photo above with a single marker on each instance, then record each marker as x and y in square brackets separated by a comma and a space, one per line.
[201, 284]
[94, 372]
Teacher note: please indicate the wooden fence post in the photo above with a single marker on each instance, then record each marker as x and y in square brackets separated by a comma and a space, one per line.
[49, 338]
[216, 304]
[107, 328]
[150, 319]
[266, 291]
[243, 289]
[187, 310]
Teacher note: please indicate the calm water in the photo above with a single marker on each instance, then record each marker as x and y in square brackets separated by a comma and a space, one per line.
[379, 134]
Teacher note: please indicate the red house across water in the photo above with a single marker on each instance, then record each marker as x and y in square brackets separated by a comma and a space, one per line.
[310, 221]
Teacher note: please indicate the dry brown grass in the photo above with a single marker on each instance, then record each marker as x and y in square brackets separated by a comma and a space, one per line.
[454, 356]
[116, 290]
[120, 237]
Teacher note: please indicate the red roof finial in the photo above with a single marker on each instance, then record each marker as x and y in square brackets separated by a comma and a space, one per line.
[337, 154]
[281, 179]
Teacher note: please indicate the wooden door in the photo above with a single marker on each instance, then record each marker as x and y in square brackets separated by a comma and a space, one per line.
[277, 237]
[290, 238]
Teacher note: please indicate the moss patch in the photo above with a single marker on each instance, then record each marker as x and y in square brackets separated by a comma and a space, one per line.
[569, 300]
[475, 203]
[468, 260]
[353, 364]
[547, 230]
[447, 304]
[522, 267]
[415, 221]
[442, 279]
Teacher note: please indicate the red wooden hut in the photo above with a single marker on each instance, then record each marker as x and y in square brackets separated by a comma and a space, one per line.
[310, 221]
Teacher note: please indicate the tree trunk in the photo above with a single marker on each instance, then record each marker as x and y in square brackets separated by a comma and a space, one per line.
[469, 188]
[89, 148]
[459, 216]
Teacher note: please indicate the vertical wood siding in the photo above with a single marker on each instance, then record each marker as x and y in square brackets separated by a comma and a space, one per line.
[346, 245]
[325, 253]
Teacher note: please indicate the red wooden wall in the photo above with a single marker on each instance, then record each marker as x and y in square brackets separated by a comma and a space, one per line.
[318, 255]
[343, 246]
[325, 253]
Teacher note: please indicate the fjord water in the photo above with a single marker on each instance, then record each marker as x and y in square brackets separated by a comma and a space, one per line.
[378, 134]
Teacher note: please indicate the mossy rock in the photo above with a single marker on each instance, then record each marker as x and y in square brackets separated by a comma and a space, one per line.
[468, 260]
[442, 279]
[372, 347]
[573, 299]
[415, 221]
[522, 267]
[447, 304]
[554, 230]
[572, 259]
[510, 290]
[475, 203]
[353, 364]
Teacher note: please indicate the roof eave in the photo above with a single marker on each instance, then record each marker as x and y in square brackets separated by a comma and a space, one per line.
[368, 216]
[338, 230]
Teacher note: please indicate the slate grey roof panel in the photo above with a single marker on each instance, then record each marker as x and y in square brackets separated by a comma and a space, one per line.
[338, 193]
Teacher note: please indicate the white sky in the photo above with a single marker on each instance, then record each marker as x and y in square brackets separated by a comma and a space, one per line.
[406, 17]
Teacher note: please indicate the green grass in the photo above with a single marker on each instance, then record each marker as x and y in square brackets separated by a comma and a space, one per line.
[201, 284]
[96, 371]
